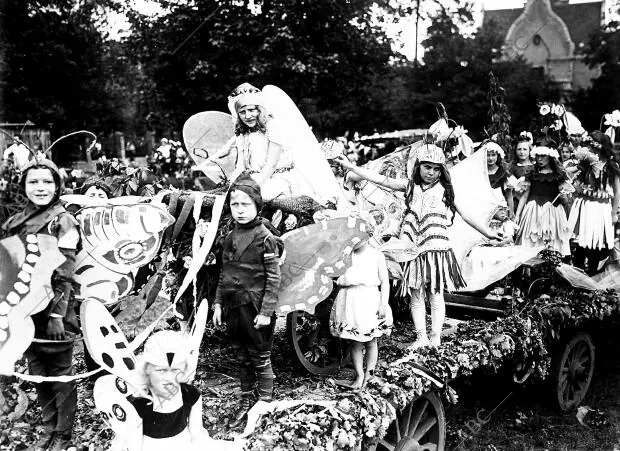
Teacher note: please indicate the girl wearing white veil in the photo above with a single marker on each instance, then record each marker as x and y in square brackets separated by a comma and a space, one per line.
[275, 144]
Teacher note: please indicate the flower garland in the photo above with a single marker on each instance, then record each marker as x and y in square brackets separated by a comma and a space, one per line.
[521, 339]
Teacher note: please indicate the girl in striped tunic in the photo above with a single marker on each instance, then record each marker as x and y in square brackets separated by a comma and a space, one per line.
[431, 267]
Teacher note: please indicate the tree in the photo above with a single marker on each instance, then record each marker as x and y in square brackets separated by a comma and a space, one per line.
[326, 55]
[54, 67]
[602, 51]
[456, 69]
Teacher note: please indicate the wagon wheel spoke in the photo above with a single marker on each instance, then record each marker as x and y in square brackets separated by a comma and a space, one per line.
[406, 419]
[424, 428]
[416, 417]
[387, 445]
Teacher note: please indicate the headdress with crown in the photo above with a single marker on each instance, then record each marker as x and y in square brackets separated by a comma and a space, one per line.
[430, 153]
[244, 94]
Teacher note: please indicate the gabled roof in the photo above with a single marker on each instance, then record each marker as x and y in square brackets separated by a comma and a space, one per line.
[581, 19]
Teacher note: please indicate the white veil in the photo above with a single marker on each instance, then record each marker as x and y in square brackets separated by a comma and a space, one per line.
[307, 154]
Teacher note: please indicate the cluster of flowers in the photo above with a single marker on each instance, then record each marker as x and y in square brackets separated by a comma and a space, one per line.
[553, 114]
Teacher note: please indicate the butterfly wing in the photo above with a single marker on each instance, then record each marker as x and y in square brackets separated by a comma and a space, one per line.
[106, 342]
[110, 395]
[204, 134]
[315, 254]
[116, 241]
[26, 267]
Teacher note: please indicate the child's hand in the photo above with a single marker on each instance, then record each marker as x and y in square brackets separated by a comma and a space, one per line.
[344, 162]
[382, 311]
[55, 329]
[217, 315]
[261, 321]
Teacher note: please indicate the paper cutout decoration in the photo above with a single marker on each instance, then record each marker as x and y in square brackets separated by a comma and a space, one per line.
[110, 395]
[194, 338]
[206, 133]
[116, 241]
[107, 343]
[315, 254]
[26, 267]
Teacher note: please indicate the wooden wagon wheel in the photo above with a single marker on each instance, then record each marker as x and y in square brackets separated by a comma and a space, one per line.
[315, 348]
[571, 372]
[421, 426]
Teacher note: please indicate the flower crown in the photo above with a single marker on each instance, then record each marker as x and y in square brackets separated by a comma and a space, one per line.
[494, 147]
[244, 88]
[526, 136]
[543, 150]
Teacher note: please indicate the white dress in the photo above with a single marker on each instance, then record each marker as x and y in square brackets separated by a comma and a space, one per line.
[354, 313]
[252, 155]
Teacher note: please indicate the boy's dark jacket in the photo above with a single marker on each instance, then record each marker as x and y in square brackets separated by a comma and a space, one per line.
[250, 268]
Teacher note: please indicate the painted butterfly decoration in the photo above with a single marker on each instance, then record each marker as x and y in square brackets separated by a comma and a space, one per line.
[117, 239]
[314, 255]
[26, 267]
[111, 350]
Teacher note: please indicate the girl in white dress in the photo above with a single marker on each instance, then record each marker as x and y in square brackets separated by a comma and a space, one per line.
[361, 312]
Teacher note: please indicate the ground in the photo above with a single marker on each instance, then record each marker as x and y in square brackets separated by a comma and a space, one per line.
[480, 421]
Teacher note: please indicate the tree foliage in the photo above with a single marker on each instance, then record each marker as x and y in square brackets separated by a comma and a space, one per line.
[54, 72]
[456, 69]
[602, 51]
[326, 55]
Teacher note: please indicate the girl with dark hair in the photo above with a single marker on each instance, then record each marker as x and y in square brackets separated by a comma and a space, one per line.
[432, 267]
[541, 214]
[498, 176]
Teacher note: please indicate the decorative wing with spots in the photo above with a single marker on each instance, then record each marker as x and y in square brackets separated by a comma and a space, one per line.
[107, 343]
[26, 267]
[110, 395]
[116, 241]
[315, 254]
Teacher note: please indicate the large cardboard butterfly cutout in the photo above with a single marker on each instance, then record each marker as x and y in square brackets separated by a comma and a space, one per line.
[316, 254]
[26, 267]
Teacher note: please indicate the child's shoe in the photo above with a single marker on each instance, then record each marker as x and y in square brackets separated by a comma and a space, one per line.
[242, 413]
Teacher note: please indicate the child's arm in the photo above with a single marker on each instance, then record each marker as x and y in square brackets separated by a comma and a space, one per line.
[385, 285]
[273, 156]
[271, 263]
[522, 202]
[473, 222]
[382, 180]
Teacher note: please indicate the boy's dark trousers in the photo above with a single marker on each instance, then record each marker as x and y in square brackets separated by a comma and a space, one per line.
[253, 349]
[58, 400]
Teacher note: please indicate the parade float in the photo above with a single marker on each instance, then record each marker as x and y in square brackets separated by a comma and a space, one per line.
[533, 316]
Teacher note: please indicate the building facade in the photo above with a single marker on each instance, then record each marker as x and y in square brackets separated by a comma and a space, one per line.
[551, 35]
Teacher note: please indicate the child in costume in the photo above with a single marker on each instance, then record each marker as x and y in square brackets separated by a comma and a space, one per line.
[596, 194]
[521, 165]
[172, 413]
[44, 214]
[540, 214]
[498, 176]
[247, 292]
[430, 203]
[571, 165]
[361, 312]
[261, 146]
